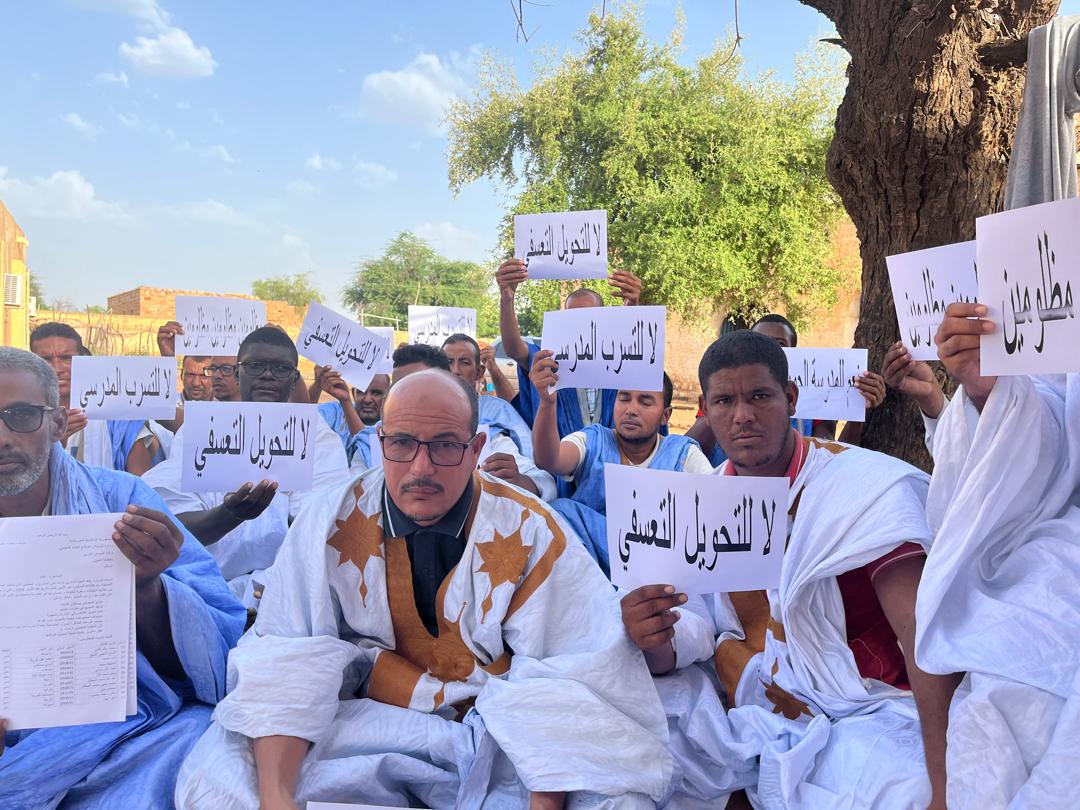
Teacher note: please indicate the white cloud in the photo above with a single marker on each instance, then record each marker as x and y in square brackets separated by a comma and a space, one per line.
[169, 54]
[217, 152]
[147, 12]
[120, 78]
[319, 163]
[302, 188]
[183, 105]
[454, 242]
[61, 195]
[213, 212]
[131, 120]
[418, 94]
[88, 130]
[373, 175]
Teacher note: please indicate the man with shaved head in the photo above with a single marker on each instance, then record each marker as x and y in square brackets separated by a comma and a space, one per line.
[432, 636]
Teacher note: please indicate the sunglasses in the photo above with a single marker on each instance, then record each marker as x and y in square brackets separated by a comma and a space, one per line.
[24, 418]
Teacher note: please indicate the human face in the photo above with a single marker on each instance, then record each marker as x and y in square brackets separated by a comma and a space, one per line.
[264, 386]
[57, 352]
[369, 403]
[197, 386]
[24, 457]
[639, 415]
[428, 406]
[464, 361]
[777, 331]
[226, 385]
[749, 413]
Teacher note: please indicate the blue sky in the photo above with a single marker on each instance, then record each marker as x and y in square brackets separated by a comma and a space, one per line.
[202, 145]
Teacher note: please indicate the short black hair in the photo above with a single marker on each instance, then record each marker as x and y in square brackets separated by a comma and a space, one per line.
[772, 317]
[743, 348]
[420, 353]
[56, 329]
[269, 336]
[669, 390]
[580, 291]
[460, 337]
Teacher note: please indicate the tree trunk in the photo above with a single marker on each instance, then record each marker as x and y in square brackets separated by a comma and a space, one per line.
[921, 149]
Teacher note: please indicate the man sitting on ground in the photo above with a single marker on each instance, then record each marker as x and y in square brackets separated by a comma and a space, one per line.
[352, 410]
[580, 457]
[115, 444]
[827, 705]
[243, 529]
[186, 619]
[414, 647]
[463, 352]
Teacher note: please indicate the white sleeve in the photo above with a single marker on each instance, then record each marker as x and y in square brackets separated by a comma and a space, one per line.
[545, 484]
[578, 440]
[696, 462]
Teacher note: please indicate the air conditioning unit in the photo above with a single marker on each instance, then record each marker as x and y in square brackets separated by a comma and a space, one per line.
[32, 309]
[13, 289]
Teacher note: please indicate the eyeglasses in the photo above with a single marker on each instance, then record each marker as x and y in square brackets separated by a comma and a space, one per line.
[226, 370]
[279, 371]
[24, 418]
[442, 452]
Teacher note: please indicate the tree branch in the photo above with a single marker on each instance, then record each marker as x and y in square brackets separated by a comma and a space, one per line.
[826, 7]
[1004, 53]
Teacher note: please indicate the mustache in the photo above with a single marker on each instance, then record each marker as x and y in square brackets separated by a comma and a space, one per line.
[426, 483]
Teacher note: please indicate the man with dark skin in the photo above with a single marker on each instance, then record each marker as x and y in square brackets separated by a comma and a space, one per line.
[748, 402]
[224, 378]
[37, 477]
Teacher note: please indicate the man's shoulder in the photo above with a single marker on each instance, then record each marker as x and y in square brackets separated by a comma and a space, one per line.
[847, 461]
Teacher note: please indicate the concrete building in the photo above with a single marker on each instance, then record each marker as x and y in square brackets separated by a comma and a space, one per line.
[15, 277]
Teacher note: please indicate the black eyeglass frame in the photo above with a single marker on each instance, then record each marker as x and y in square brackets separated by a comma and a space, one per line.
[267, 366]
[416, 450]
[41, 411]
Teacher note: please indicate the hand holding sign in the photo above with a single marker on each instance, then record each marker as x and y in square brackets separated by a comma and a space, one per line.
[150, 540]
[509, 275]
[913, 378]
[544, 374]
[648, 616]
[565, 245]
[959, 342]
[627, 287]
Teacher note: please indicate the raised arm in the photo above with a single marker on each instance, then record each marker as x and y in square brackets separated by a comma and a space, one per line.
[958, 341]
[511, 273]
[316, 387]
[915, 379]
[503, 389]
[549, 452]
[335, 386]
[896, 587]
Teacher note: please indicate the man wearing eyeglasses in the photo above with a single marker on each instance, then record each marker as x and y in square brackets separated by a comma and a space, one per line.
[243, 529]
[427, 592]
[186, 619]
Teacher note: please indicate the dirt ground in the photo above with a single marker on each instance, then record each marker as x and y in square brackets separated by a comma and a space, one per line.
[683, 415]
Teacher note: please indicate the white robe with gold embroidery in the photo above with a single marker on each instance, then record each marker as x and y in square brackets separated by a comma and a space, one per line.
[826, 737]
[531, 652]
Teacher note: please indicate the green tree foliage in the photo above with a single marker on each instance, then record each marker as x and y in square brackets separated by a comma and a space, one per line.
[299, 290]
[37, 290]
[412, 272]
[714, 183]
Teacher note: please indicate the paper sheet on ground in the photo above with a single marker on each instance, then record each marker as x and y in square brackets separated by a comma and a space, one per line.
[700, 533]
[607, 347]
[227, 444]
[67, 622]
[563, 245]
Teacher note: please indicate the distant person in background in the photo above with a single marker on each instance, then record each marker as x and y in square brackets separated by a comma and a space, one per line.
[224, 381]
[466, 363]
[501, 385]
[577, 407]
[113, 443]
[579, 458]
[243, 529]
[352, 412]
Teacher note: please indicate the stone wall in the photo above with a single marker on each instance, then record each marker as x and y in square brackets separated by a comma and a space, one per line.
[159, 303]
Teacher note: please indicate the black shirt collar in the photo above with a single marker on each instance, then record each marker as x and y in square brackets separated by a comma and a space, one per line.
[452, 524]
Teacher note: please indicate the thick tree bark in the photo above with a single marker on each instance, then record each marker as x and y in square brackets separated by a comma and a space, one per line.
[921, 147]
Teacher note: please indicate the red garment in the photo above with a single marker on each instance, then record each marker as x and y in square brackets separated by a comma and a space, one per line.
[870, 636]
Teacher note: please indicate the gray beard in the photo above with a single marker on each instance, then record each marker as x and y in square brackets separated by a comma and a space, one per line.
[17, 484]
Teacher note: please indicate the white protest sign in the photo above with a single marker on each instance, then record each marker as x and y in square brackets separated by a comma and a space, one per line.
[215, 326]
[700, 533]
[607, 347]
[1029, 262]
[228, 444]
[569, 244]
[124, 387]
[329, 339]
[924, 282]
[67, 622]
[433, 325]
[385, 334]
[826, 382]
